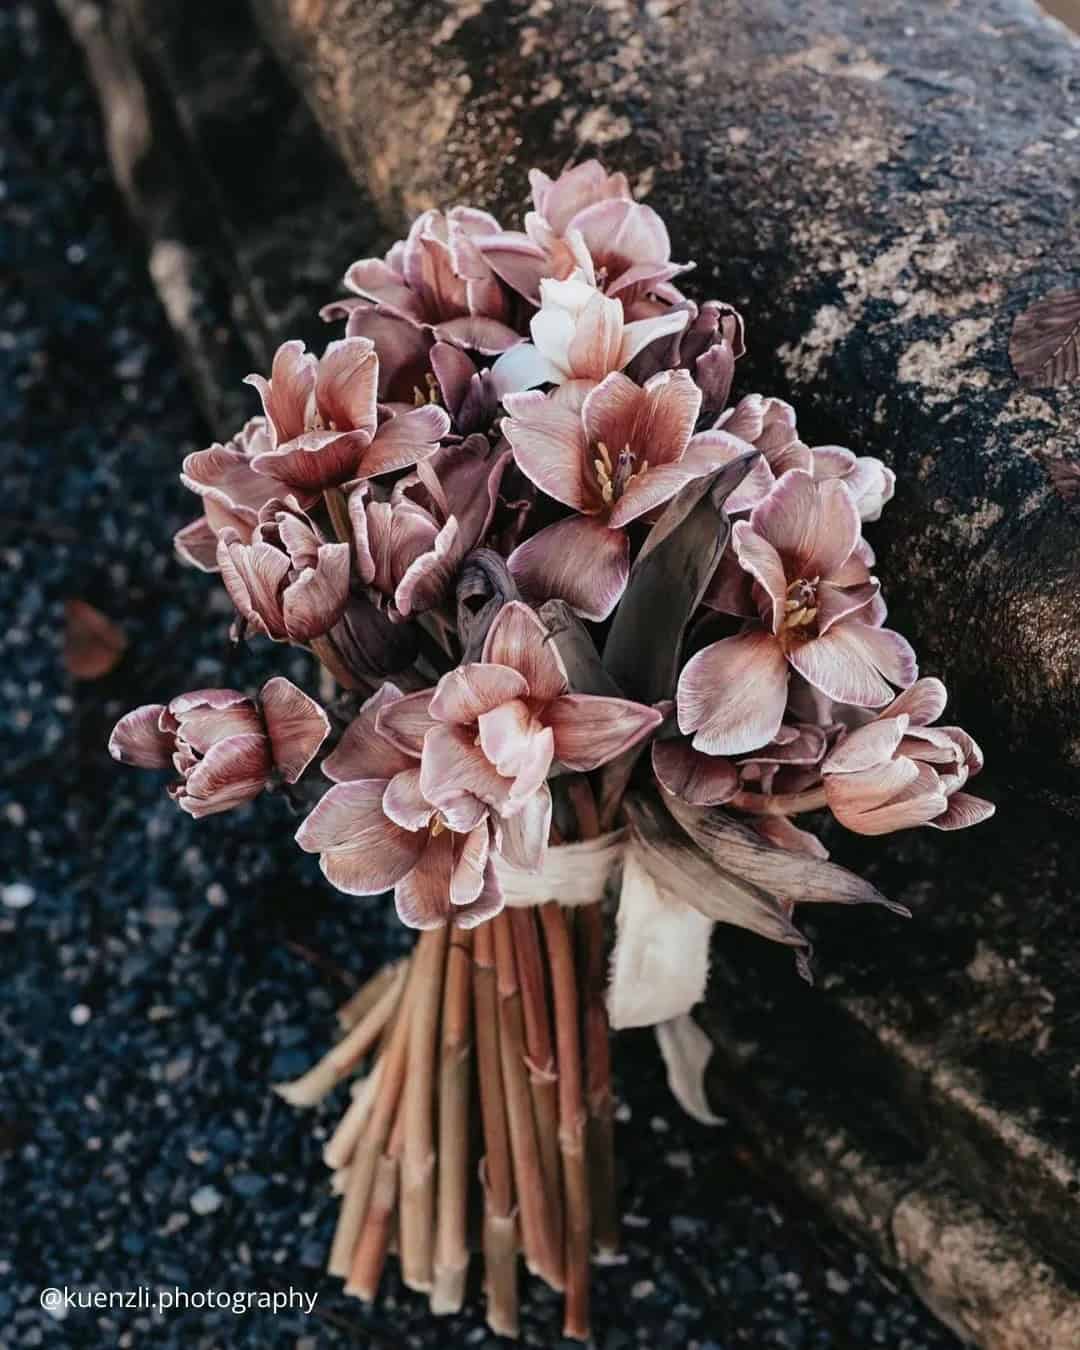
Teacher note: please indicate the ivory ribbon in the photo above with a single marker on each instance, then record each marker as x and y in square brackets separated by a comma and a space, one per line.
[661, 959]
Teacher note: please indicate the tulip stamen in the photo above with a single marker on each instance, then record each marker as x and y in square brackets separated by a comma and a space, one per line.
[615, 478]
[800, 605]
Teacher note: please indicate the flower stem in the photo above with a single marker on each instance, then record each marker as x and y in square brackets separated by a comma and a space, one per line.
[571, 1119]
[417, 1223]
[785, 804]
[455, 1083]
[500, 1241]
[542, 1255]
[540, 1058]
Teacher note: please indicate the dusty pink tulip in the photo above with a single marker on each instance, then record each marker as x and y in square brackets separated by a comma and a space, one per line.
[586, 219]
[820, 614]
[375, 830]
[410, 548]
[326, 425]
[288, 583]
[232, 492]
[708, 347]
[488, 734]
[898, 771]
[579, 333]
[225, 746]
[438, 279]
[869, 481]
[611, 452]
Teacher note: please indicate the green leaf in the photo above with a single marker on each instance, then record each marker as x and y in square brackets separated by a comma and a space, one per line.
[667, 582]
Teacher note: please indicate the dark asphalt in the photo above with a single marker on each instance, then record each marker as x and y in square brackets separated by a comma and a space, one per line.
[156, 974]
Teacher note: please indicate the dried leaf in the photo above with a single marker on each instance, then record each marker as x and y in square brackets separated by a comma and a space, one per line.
[667, 582]
[1045, 343]
[93, 644]
[794, 877]
[679, 868]
[484, 586]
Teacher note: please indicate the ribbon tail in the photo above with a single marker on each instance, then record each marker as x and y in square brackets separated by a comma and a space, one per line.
[686, 1051]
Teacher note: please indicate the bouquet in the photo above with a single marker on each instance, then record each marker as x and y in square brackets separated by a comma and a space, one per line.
[586, 628]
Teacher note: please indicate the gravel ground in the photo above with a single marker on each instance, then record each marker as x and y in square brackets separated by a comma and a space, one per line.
[156, 974]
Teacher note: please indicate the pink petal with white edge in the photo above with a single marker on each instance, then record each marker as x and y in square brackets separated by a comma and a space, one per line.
[325, 461]
[720, 447]
[232, 772]
[316, 600]
[647, 491]
[579, 560]
[849, 662]
[758, 557]
[466, 693]
[137, 739]
[963, 810]
[196, 544]
[406, 721]
[525, 834]
[701, 780]
[638, 335]
[363, 853]
[923, 703]
[287, 394]
[518, 639]
[453, 766]
[732, 694]
[867, 747]
[296, 725]
[531, 769]
[403, 440]
[813, 526]
[404, 803]
[841, 602]
[422, 898]
[590, 729]
[550, 447]
[362, 752]
[505, 734]
[470, 863]
[486, 905]
[347, 384]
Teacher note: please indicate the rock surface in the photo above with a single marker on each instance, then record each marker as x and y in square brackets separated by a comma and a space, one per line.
[880, 190]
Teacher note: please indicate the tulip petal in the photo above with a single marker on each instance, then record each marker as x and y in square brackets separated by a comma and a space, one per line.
[839, 602]
[316, 600]
[232, 772]
[137, 739]
[523, 367]
[347, 383]
[702, 780]
[525, 834]
[551, 448]
[363, 752]
[519, 639]
[253, 575]
[404, 803]
[465, 694]
[579, 560]
[406, 721]
[590, 729]
[286, 395]
[813, 526]
[847, 663]
[469, 864]
[923, 702]
[453, 766]
[196, 544]
[963, 810]
[296, 725]
[758, 557]
[404, 439]
[733, 693]
[868, 746]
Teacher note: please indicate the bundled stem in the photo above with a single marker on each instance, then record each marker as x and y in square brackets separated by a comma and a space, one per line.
[539, 1238]
[571, 1120]
[418, 1157]
[451, 1241]
[500, 1226]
